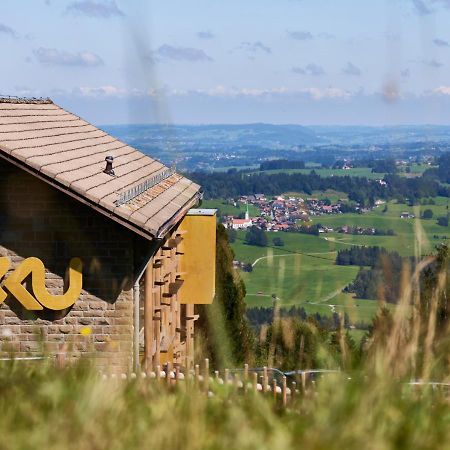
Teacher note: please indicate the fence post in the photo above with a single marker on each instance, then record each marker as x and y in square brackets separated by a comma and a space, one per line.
[265, 379]
[284, 388]
[168, 380]
[206, 376]
[255, 381]
[196, 375]
[245, 377]
[304, 382]
[274, 389]
[293, 390]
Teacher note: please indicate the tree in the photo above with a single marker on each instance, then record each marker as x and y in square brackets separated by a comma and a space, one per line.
[443, 221]
[256, 236]
[427, 214]
[222, 326]
[232, 235]
[278, 242]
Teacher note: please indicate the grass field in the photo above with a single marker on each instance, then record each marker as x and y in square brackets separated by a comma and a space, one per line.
[309, 279]
[225, 209]
[355, 172]
[415, 170]
[302, 272]
[408, 231]
[331, 194]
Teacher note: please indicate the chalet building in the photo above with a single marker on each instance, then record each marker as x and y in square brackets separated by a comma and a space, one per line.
[101, 253]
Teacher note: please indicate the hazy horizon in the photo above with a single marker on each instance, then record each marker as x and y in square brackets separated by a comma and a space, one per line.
[306, 62]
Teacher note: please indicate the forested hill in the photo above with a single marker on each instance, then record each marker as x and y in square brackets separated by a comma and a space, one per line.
[442, 172]
[361, 190]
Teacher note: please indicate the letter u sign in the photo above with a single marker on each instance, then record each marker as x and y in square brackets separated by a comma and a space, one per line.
[42, 299]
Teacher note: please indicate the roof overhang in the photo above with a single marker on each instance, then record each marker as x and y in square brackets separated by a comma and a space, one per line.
[169, 224]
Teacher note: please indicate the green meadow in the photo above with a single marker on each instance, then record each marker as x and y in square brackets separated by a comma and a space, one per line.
[354, 172]
[412, 236]
[303, 272]
[225, 209]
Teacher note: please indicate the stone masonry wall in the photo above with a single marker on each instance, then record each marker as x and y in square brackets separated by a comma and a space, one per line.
[38, 220]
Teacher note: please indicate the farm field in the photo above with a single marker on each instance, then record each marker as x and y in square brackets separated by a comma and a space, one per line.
[355, 172]
[331, 194]
[303, 273]
[225, 209]
[310, 279]
[409, 232]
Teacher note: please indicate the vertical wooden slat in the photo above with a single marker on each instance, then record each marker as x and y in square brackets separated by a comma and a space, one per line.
[148, 317]
[189, 336]
[158, 321]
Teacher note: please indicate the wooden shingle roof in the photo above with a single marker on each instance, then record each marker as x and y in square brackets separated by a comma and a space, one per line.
[69, 153]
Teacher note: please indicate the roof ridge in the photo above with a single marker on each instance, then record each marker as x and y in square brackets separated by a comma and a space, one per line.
[26, 100]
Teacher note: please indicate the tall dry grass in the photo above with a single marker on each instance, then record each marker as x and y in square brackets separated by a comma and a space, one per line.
[373, 406]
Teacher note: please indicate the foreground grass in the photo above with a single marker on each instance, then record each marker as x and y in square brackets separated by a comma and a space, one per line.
[74, 409]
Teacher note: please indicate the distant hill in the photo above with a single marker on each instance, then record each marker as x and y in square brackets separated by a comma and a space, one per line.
[271, 136]
[220, 147]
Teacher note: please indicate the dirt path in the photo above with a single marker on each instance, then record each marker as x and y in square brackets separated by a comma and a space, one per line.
[288, 254]
[337, 241]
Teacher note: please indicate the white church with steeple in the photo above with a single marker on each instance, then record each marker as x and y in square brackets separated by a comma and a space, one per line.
[241, 224]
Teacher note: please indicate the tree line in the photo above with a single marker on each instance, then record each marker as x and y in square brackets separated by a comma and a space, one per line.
[275, 164]
[379, 273]
[358, 189]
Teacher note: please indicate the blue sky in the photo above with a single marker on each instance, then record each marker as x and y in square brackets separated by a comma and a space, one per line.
[237, 61]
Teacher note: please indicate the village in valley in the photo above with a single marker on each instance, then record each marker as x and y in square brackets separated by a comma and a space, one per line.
[291, 213]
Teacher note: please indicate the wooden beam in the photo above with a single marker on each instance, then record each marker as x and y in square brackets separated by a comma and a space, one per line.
[148, 317]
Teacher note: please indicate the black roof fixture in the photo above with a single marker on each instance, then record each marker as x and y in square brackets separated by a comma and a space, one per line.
[109, 166]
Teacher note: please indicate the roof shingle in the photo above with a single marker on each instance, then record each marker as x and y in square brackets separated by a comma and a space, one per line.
[69, 153]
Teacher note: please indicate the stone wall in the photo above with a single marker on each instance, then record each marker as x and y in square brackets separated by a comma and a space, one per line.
[38, 220]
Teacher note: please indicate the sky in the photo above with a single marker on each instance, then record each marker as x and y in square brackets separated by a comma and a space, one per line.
[307, 62]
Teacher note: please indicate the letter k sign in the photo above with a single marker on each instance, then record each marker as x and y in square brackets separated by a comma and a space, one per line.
[14, 284]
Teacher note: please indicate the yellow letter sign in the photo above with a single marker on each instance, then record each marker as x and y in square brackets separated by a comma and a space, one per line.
[42, 299]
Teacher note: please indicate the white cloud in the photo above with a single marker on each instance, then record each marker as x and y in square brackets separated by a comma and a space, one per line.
[300, 35]
[112, 91]
[254, 47]
[91, 8]
[351, 69]
[312, 92]
[310, 69]
[206, 34]
[441, 43]
[54, 57]
[5, 29]
[442, 90]
[172, 53]
[433, 64]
